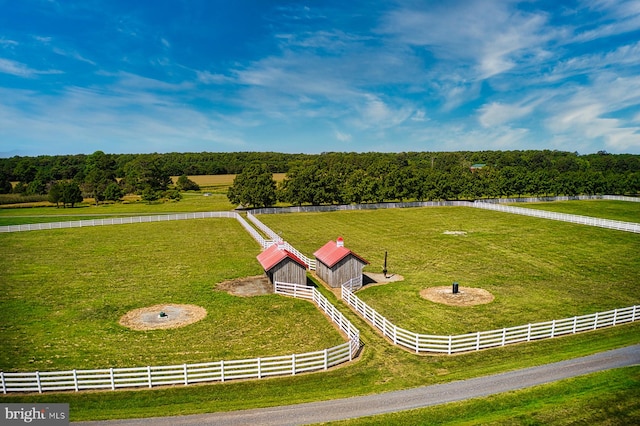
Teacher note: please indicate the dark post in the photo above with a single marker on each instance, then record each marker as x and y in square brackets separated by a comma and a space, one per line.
[384, 270]
[455, 287]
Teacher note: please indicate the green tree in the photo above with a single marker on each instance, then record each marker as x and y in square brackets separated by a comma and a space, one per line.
[99, 172]
[254, 186]
[150, 195]
[113, 192]
[55, 193]
[71, 194]
[186, 184]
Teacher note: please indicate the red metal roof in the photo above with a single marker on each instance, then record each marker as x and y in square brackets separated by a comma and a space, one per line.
[332, 253]
[274, 255]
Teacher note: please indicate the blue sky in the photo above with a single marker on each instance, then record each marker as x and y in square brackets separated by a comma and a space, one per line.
[126, 76]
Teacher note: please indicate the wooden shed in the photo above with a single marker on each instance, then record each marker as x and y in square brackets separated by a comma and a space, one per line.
[281, 265]
[336, 264]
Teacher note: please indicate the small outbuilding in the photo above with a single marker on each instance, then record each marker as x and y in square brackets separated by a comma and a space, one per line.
[281, 265]
[336, 264]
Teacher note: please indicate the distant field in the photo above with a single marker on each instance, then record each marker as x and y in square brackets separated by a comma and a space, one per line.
[606, 209]
[191, 202]
[537, 269]
[63, 292]
[220, 182]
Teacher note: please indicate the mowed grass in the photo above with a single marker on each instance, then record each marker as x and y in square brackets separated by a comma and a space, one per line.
[538, 270]
[610, 397]
[610, 209]
[191, 202]
[64, 291]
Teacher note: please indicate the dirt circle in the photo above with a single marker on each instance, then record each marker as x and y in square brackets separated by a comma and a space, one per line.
[466, 296]
[247, 286]
[158, 317]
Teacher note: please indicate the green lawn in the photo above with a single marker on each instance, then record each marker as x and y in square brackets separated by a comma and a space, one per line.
[611, 397]
[537, 269]
[63, 292]
[606, 209]
[381, 367]
[191, 202]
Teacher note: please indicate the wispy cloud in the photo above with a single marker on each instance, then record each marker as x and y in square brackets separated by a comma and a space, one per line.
[8, 66]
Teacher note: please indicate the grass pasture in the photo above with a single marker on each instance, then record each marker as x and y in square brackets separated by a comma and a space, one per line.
[608, 399]
[63, 292]
[191, 202]
[611, 209]
[537, 269]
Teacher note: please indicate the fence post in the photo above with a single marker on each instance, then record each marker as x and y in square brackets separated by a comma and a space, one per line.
[293, 364]
[38, 380]
[222, 370]
[186, 378]
[575, 324]
[633, 313]
[75, 379]
[615, 316]
[259, 368]
[326, 356]
[478, 341]
[553, 328]
[595, 322]
[4, 387]
[113, 383]
[149, 376]
[504, 335]
[449, 348]
[417, 344]
[529, 332]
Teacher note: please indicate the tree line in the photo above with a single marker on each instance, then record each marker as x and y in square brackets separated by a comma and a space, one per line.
[333, 177]
[338, 178]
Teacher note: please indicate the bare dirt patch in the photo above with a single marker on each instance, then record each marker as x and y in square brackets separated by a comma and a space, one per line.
[376, 278]
[247, 286]
[165, 316]
[466, 296]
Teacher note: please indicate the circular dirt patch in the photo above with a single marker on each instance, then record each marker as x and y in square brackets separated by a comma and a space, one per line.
[162, 317]
[248, 286]
[466, 296]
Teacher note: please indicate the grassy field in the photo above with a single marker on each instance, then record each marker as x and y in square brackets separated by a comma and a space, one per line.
[538, 270]
[63, 292]
[381, 366]
[191, 202]
[611, 397]
[219, 183]
[610, 209]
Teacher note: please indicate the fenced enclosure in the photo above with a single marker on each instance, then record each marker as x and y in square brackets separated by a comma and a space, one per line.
[427, 343]
[564, 217]
[185, 374]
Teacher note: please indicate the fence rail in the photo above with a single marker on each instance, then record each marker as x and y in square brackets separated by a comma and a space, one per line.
[117, 221]
[564, 217]
[311, 263]
[185, 374]
[426, 343]
[311, 293]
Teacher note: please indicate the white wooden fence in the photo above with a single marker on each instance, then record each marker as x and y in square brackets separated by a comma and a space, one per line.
[185, 374]
[427, 343]
[311, 263]
[311, 293]
[564, 217]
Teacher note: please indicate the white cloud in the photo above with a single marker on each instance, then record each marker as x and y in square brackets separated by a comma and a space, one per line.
[491, 36]
[343, 137]
[496, 113]
[7, 66]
